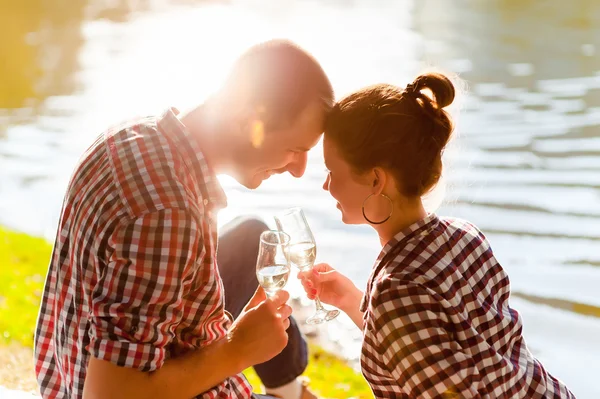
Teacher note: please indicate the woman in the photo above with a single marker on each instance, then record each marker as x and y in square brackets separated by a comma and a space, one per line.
[435, 314]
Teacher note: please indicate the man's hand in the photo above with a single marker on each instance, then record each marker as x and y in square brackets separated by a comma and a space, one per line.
[259, 333]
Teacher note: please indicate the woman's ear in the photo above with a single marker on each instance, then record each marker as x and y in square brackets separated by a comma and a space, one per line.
[379, 179]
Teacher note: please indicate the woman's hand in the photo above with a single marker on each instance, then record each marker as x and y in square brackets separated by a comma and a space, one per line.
[330, 286]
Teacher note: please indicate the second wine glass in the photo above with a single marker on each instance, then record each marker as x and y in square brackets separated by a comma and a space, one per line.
[302, 253]
[272, 263]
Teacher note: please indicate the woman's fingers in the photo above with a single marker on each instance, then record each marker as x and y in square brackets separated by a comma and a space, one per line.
[307, 285]
[322, 267]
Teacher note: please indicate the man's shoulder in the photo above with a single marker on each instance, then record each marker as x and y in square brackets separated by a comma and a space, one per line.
[130, 134]
[147, 168]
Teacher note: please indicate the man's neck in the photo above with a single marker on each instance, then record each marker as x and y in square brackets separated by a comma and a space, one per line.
[208, 130]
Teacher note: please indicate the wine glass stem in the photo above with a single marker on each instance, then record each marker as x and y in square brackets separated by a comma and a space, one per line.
[318, 304]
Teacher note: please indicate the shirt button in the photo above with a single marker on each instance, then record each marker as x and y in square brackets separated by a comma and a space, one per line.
[205, 202]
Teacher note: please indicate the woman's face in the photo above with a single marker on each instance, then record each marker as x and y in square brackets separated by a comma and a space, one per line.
[349, 189]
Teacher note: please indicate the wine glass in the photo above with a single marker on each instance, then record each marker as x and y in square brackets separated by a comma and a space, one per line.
[302, 252]
[272, 263]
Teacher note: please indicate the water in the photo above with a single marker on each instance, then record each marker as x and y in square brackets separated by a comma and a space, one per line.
[525, 166]
[273, 278]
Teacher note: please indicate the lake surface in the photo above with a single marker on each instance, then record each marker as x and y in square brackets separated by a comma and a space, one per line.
[524, 166]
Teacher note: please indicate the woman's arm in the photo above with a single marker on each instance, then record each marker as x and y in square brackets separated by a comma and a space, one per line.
[409, 327]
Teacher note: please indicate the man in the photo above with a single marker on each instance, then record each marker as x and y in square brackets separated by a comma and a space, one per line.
[134, 302]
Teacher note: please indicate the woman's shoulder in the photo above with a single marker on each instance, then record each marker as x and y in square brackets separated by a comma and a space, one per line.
[455, 230]
[457, 223]
[437, 258]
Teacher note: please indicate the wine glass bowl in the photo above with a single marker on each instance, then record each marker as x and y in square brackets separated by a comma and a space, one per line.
[272, 263]
[302, 254]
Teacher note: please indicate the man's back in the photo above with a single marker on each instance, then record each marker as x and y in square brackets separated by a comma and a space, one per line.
[133, 277]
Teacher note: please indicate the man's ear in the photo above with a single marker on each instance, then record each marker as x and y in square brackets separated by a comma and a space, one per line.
[248, 123]
[242, 116]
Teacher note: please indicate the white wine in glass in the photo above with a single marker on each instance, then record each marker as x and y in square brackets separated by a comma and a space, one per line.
[273, 278]
[302, 254]
[272, 263]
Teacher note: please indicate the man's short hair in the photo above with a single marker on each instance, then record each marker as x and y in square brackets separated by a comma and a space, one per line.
[279, 79]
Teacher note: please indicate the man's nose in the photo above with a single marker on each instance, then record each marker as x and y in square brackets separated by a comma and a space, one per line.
[298, 165]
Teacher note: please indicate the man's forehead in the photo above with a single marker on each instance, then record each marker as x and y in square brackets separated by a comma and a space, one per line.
[313, 116]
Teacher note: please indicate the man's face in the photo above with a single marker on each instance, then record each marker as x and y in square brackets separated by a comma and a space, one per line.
[283, 150]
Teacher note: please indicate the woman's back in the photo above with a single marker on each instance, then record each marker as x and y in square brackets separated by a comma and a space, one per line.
[435, 314]
[437, 320]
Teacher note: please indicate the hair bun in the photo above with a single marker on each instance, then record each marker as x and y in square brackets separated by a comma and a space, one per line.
[440, 86]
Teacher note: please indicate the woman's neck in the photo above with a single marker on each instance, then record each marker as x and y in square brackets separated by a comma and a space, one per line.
[405, 213]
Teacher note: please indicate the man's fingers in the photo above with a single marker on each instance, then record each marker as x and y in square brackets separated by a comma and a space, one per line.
[285, 311]
[258, 297]
[280, 297]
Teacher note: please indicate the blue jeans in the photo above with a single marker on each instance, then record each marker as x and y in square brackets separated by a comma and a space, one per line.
[236, 256]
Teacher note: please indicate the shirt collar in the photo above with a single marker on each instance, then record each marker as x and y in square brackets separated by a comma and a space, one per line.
[417, 229]
[213, 195]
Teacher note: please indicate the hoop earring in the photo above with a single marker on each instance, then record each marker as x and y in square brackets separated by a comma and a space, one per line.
[384, 220]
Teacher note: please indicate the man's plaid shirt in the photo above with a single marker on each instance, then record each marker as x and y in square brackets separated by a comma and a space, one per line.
[133, 278]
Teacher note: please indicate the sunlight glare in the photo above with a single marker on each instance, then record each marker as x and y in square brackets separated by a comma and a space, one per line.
[257, 134]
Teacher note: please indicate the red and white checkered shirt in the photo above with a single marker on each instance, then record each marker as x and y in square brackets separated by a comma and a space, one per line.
[437, 323]
[133, 278]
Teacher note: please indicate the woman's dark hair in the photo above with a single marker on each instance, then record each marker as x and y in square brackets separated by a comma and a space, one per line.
[403, 131]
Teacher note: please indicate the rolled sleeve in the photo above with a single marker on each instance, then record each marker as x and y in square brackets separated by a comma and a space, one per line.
[137, 301]
[420, 353]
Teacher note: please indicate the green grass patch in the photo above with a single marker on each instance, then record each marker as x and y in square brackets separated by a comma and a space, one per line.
[329, 376]
[23, 265]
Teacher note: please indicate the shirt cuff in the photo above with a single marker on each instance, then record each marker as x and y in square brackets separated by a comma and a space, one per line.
[143, 357]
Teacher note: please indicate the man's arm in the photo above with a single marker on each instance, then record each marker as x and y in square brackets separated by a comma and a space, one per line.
[137, 303]
[183, 377]
[258, 335]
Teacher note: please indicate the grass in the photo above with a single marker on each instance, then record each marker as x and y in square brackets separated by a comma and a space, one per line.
[23, 265]
[329, 376]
